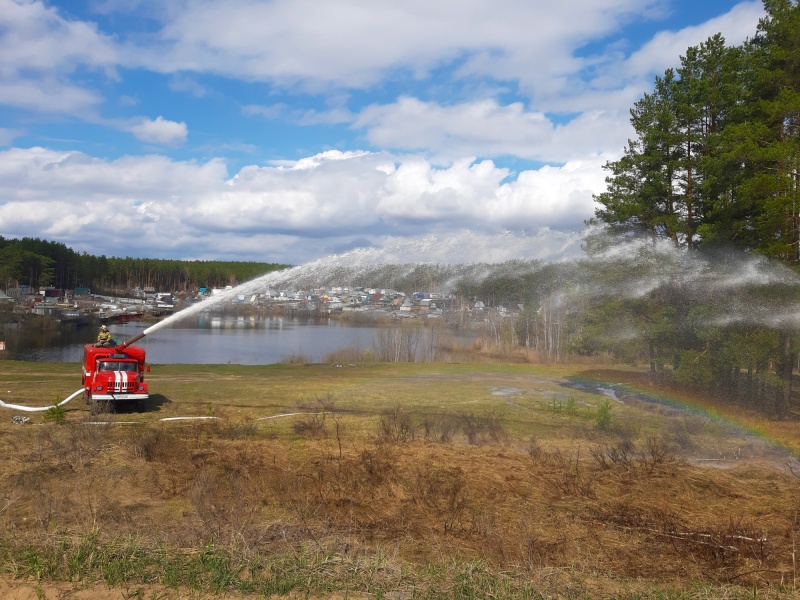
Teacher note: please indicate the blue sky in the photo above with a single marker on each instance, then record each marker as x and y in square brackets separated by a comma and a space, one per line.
[286, 130]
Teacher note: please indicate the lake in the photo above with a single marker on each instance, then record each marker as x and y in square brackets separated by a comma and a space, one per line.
[205, 339]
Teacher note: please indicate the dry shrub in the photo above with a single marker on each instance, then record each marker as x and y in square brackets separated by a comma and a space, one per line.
[656, 452]
[534, 449]
[444, 491]
[75, 444]
[538, 545]
[627, 455]
[683, 430]
[101, 409]
[724, 545]
[377, 463]
[153, 444]
[621, 454]
[241, 430]
[226, 508]
[569, 477]
[312, 426]
[482, 430]
[296, 358]
[440, 427]
[326, 403]
[349, 355]
[168, 454]
[44, 493]
[397, 426]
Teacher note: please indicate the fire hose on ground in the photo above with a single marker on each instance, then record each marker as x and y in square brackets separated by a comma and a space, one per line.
[39, 408]
[68, 398]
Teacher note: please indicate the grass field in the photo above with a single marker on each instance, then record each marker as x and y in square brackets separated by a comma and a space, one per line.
[392, 480]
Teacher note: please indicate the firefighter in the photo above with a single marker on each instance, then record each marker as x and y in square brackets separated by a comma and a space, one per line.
[104, 337]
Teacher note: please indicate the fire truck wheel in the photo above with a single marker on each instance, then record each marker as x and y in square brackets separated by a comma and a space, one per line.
[99, 407]
[140, 406]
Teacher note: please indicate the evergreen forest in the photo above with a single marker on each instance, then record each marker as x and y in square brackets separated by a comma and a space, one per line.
[715, 158]
[40, 263]
[713, 172]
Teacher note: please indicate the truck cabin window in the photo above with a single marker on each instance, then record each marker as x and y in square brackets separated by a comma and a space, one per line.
[108, 365]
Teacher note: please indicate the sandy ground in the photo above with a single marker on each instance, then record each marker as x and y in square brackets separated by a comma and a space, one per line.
[15, 590]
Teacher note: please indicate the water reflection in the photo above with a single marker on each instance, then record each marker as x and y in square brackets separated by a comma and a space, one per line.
[49, 344]
[204, 339]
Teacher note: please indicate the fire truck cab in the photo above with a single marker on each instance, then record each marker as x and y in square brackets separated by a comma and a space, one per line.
[113, 374]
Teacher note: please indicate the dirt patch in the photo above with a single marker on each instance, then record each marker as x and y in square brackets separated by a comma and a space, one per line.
[16, 590]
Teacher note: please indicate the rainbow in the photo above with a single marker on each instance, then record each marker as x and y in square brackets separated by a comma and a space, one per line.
[784, 435]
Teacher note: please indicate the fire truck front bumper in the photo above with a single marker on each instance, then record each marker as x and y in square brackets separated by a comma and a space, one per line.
[113, 397]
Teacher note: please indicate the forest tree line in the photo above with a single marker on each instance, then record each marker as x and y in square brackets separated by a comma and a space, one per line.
[40, 263]
[714, 170]
[715, 158]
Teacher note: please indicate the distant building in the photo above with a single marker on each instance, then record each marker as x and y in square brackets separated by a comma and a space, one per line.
[52, 295]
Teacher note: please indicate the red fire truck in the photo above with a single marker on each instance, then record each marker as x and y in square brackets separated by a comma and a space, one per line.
[113, 374]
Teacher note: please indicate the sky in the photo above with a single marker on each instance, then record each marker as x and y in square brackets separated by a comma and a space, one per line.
[288, 130]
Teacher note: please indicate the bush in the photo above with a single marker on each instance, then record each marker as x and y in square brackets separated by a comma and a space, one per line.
[55, 414]
[482, 430]
[312, 426]
[440, 428]
[349, 355]
[296, 358]
[396, 426]
[152, 444]
[604, 415]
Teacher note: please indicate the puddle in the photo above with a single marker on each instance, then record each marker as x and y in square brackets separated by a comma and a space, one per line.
[610, 393]
[506, 391]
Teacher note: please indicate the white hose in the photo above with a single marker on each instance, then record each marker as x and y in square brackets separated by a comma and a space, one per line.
[65, 400]
[285, 415]
[38, 408]
[186, 418]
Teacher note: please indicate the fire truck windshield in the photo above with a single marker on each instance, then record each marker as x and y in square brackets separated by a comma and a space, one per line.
[111, 365]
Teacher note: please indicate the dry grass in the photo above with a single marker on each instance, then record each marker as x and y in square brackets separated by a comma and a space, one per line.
[376, 486]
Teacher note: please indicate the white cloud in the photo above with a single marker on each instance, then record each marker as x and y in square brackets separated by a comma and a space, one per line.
[663, 50]
[48, 95]
[39, 49]
[182, 83]
[160, 131]
[559, 196]
[336, 112]
[35, 37]
[534, 44]
[7, 135]
[349, 44]
[613, 80]
[295, 211]
[485, 128]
